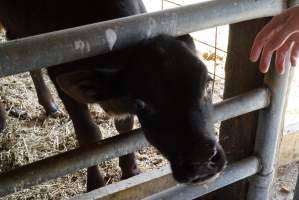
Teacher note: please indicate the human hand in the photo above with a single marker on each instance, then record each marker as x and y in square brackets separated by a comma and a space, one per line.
[279, 35]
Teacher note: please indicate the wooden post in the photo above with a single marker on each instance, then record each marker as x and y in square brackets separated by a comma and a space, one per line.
[237, 135]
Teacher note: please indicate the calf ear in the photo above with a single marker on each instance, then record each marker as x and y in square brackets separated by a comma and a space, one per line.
[88, 86]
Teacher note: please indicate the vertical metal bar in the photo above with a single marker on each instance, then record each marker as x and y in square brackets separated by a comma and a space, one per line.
[269, 132]
[296, 192]
[215, 61]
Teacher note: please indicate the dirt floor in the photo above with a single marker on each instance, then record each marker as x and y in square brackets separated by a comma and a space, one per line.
[31, 136]
[285, 182]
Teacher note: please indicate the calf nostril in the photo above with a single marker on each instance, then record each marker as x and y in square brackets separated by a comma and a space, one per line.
[211, 165]
[216, 157]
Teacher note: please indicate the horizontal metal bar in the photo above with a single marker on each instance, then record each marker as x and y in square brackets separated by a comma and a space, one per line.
[242, 104]
[137, 187]
[71, 161]
[231, 174]
[160, 184]
[81, 42]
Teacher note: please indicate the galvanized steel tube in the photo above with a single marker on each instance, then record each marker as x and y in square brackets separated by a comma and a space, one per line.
[233, 173]
[71, 161]
[296, 192]
[81, 42]
[242, 104]
[269, 131]
[159, 184]
[90, 155]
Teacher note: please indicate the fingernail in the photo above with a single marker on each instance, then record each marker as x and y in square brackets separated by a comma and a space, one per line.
[281, 71]
[252, 58]
[263, 70]
[294, 61]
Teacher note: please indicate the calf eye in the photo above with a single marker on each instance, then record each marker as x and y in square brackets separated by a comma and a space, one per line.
[140, 105]
[143, 108]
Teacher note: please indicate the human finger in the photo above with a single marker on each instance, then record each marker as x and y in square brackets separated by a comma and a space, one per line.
[263, 37]
[294, 54]
[272, 45]
[280, 56]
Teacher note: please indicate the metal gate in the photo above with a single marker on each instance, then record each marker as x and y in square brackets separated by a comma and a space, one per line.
[76, 43]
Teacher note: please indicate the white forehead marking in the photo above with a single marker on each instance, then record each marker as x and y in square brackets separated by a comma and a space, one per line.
[111, 38]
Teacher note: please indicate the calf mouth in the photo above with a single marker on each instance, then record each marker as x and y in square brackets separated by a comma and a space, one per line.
[199, 178]
[205, 179]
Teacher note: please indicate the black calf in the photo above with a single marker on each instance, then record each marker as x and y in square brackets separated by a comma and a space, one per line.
[159, 80]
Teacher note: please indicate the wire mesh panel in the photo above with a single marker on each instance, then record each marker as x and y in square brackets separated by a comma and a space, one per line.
[211, 45]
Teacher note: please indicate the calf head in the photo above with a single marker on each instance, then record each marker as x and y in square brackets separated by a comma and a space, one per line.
[166, 84]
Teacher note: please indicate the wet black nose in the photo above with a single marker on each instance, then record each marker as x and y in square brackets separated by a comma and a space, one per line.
[218, 160]
[200, 171]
